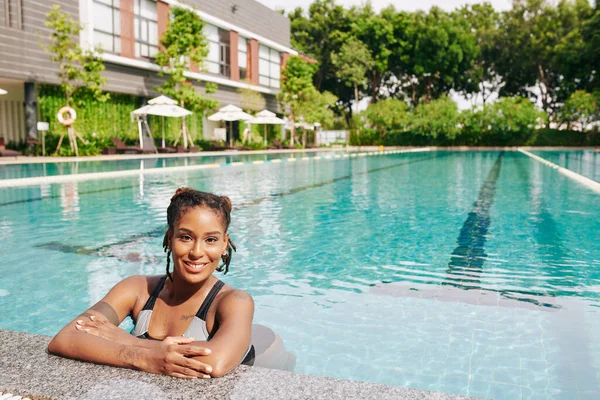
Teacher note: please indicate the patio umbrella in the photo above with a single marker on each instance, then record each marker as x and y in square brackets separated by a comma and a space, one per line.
[165, 107]
[266, 117]
[228, 114]
[2, 91]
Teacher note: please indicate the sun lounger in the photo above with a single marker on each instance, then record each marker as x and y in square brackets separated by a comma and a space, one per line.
[123, 148]
[278, 145]
[4, 152]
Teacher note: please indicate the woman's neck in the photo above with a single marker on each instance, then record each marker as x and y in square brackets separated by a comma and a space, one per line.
[179, 291]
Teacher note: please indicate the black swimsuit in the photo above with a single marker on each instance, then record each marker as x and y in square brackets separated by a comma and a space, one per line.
[197, 328]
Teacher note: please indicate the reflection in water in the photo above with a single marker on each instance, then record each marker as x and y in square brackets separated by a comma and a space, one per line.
[466, 264]
[69, 200]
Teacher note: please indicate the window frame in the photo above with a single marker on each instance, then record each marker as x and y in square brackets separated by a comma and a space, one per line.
[243, 54]
[224, 52]
[266, 76]
[139, 21]
[116, 33]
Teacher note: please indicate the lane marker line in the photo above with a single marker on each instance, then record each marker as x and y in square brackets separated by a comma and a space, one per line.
[591, 184]
[54, 179]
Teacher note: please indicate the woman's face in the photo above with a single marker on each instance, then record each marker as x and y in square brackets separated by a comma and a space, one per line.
[197, 243]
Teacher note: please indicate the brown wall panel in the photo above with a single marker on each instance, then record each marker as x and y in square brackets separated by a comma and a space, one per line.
[233, 56]
[127, 28]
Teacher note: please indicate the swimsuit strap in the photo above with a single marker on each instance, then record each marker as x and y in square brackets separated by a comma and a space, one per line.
[152, 299]
[203, 311]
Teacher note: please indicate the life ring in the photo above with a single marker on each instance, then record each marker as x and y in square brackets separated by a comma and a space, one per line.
[72, 116]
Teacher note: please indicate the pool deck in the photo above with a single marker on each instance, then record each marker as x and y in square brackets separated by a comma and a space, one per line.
[27, 370]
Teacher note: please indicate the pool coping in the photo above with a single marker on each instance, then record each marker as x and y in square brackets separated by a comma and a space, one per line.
[51, 159]
[26, 369]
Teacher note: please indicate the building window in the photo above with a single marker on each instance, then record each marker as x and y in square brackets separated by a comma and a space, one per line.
[107, 25]
[243, 57]
[218, 60]
[269, 67]
[146, 29]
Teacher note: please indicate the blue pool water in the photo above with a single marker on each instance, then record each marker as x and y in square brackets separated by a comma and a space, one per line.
[586, 163]
[471, 273]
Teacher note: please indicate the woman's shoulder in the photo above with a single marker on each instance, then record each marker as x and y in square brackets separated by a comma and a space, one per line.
[232, 297]
[140, 283]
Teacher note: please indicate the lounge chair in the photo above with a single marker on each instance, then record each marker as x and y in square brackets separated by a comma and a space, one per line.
[4, 152]
[278, 145]
[123, 148]
[167, 149]
[191, 149]
[217, 146]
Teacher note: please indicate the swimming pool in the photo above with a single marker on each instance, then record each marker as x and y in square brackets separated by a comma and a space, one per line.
[474, 273]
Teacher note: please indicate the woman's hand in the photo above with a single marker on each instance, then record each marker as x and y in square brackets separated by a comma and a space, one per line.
[173, 357]
[102, 327]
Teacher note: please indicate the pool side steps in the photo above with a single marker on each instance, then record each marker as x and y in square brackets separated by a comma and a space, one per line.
[53, 179]
[587, 182]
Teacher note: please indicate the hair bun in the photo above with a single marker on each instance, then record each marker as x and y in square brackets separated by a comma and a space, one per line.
[180, 191]
[227, 203]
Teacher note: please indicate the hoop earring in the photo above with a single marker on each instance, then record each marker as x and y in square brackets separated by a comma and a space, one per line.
[168, 265]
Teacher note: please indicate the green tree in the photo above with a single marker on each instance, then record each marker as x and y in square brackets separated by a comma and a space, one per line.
[183, 42]
[299, 97]
[352, 63]
[581, 108]
[377, 33]
[79, 71]
[483, 21]
[537, 42]
[438, 49]
[319, 33]
[386, 115]
[251, 100]
[439, 118]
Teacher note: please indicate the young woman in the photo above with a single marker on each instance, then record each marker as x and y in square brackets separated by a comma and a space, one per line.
[188, 323]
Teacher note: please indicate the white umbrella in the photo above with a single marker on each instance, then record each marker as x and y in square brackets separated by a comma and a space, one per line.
[230, 113]
[2, 91]
[162, 106]
[266, 117]
[162, 99]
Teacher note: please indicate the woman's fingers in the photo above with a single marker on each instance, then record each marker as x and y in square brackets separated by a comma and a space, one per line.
[178, 340]
[197, 366]
[192, 351]
[190, 372]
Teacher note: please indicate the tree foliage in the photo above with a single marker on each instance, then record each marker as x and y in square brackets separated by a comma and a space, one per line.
[183, 42]
[508, 121]
[251, 100]
[386, 115]
[353, 62]
[438, 118]
[537, 49]
[581, 109]
[299, 97]
[79, 71]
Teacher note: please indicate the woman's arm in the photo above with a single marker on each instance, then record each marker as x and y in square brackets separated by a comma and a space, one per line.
[232, 340]
[172, 356]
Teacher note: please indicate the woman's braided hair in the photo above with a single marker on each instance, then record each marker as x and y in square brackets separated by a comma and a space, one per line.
[186, 198]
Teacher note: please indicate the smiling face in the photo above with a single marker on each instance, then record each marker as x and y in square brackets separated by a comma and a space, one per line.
[197, 243]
